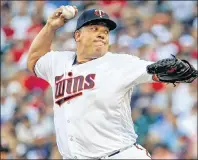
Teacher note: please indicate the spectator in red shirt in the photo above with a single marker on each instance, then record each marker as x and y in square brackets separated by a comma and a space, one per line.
[34, 29]
[113, 7]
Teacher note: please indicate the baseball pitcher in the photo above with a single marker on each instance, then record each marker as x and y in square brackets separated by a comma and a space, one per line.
[92, 87]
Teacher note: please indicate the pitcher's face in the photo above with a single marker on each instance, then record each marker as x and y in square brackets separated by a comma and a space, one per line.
[95, 38]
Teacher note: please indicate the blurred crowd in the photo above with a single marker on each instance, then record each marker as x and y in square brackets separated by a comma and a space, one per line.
[165, 117]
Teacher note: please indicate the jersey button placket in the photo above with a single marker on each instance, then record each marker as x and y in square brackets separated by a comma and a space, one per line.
[72, 146]
[71, 138]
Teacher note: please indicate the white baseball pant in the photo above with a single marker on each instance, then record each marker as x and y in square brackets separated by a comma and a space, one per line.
[135, 151]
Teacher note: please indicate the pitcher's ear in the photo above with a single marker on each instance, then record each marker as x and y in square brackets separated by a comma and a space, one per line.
[77, 35]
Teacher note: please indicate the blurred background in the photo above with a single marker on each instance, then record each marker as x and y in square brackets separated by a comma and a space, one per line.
[165, 117]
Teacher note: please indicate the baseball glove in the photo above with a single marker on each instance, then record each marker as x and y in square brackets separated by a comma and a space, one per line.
[172, 70]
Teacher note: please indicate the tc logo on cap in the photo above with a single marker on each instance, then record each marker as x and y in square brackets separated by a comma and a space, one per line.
[99, 13]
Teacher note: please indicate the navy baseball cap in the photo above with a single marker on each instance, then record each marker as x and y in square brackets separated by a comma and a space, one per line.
[95, 16]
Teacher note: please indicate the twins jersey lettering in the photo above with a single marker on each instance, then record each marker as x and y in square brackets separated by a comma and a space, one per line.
[72, 86]
[92, 113]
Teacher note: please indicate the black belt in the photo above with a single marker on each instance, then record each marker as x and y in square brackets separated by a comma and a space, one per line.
[116, 152]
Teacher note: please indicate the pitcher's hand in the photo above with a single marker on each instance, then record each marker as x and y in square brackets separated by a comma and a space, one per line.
[61, 16]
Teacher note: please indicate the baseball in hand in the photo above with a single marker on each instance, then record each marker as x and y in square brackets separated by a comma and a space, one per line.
[68, 12]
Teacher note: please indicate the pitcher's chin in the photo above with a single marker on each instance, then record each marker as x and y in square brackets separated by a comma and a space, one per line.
[100, 52]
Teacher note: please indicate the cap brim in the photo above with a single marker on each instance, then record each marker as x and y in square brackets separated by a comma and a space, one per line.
[109, 23]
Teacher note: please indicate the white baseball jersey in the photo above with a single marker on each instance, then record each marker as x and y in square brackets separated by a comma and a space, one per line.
[92, 113]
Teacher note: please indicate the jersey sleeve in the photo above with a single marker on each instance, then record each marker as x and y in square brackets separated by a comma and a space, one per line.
[45, 66]
[144, 77]
[134, 70]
